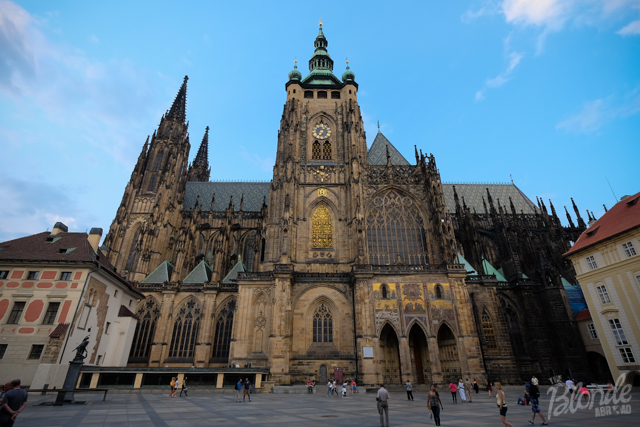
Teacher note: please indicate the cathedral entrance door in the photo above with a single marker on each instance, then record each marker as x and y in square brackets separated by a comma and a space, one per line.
[390, 363]
[323, 374]
[449, 359]
[420, 352]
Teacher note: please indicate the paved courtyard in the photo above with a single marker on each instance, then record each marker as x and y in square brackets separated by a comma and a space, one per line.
[142, 410]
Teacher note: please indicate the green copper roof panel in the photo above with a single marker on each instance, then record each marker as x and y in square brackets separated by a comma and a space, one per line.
[466, 264]
[488, 268]
[200, 274]
[160, 275]
[231, 278]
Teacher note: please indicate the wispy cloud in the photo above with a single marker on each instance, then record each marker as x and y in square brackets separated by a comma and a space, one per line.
[502, 78]
[631, 29]
[488, 9]
[597, 113]
[262, 163]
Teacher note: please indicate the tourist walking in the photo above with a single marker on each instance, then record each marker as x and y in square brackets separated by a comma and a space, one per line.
[335, 388]
[571, 386]
[468, 390]
[172, 384]
[527, 398]
[247, 389]
[461, 391]
[489, 388]
[454, 394]
[407, 384]
[534, 395]
[435, 404]
[175, 387]
[14, 401]
[329, 386]
[238, 390]
[502, 404]
[184, 387]
[383, 406]
[353, 386]
[476, 387]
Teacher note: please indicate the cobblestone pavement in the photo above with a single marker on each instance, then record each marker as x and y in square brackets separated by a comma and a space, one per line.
[142, 410]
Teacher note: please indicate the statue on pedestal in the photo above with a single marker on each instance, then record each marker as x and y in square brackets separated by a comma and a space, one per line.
[81, 350]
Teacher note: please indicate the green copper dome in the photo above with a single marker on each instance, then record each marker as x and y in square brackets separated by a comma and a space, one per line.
[348, 76]
[295, 74]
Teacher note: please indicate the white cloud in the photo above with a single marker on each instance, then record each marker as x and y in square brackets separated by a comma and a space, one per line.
[595, 114]
[487, 9]
[479, 96]
[536, 12]
[94, 39]
[502, 78]
[631, 29]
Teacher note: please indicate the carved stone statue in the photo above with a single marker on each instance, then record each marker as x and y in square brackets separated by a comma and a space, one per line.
[81, 350]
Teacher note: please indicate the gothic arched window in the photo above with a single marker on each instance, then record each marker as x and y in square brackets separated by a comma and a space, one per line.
[148, 314]
[249, 251]
[158, 162]
[513, 328]
[395, 231]
[224, 325]
[185, 330]
[438, 291]
[385, 292]
[316, 152]
[322, 325]
[487, 330]
[134, 251]
[326, 151]
[152, 182]
[321, 228]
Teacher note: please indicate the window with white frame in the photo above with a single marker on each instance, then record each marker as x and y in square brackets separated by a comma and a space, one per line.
[638, 279]
[618, 332]
[603, 294]
[629, 250]
[592, 331]
[591, 262]
[627, 355]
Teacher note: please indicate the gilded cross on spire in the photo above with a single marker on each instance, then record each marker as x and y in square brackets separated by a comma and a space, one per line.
[320, 21]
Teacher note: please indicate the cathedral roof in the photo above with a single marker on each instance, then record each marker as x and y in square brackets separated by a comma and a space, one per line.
[200, 274]
[231, 278]
[473, 194]
[253, 192]
[377, 154]
[160, 275]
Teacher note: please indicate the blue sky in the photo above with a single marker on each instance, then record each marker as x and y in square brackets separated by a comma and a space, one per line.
[545, 91]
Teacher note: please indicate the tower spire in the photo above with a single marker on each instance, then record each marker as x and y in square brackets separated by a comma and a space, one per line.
[569, 217]
[581, 222]
[178, 109]
[202, 158]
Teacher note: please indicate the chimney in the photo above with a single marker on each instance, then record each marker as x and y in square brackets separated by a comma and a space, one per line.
[94, 238]
[59, 228]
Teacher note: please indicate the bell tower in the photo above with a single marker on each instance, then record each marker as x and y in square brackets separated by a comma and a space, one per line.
[315, 194]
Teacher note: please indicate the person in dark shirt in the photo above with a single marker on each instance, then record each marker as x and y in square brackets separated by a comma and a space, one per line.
[13, 403]
[247, 389]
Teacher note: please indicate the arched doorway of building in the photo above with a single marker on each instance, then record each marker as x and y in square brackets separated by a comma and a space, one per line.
[390, 363]
[419, 355]
[449, 359]
[323, 375]
[633, 378]
[599, 366]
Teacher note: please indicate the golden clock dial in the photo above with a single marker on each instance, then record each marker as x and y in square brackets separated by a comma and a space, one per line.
[321, 131]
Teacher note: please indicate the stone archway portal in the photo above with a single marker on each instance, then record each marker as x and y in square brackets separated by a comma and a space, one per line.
[390, 363]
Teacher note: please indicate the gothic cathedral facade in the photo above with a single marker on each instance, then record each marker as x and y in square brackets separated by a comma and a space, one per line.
[349, 260]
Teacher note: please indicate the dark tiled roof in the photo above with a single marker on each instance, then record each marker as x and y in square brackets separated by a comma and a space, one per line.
[59, 331]
[254, 193]
[473, 194]
[160, 275]
[36, 248]
[125, 312]
[377, 154]
[623, 216]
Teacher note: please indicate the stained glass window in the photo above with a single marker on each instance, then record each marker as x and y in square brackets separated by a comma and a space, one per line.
[224, 325]
[326, 150]
[185, 330]
[145, 329]
[487, 329]
[322, 325]
[322, 233]
[395, 231]
[316, 152]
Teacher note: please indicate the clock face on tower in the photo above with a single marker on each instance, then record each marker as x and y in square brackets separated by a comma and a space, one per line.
[321, 131]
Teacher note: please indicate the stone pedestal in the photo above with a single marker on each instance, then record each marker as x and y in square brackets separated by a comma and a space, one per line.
[70, 382]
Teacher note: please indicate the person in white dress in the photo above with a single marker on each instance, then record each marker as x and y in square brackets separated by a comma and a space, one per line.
[461, 391]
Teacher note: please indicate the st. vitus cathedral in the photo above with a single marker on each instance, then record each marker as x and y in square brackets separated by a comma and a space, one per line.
[349, 260]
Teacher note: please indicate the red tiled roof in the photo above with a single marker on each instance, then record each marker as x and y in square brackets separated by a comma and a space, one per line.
[583, 314]
[36, 248]
[623, 216]
[59, 331]
[125, 312]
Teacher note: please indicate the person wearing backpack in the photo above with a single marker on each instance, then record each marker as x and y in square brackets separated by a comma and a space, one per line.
[534, 395]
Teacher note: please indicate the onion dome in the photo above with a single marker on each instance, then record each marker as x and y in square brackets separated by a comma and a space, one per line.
[295, 74]
[348, 76]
